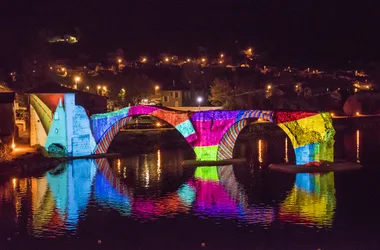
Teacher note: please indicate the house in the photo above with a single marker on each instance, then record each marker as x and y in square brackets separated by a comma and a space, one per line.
[171, 98]
[7, 111]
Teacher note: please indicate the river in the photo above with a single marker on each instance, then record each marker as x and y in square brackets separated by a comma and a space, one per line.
[147, 200]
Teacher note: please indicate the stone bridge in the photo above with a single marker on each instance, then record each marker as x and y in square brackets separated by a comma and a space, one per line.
[212, 134]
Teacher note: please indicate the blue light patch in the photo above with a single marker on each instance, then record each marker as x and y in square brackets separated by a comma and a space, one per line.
[185, 128]
[307, 154]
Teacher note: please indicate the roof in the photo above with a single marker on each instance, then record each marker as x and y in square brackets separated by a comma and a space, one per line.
[6, 95]
[5, 89]
[55, 88]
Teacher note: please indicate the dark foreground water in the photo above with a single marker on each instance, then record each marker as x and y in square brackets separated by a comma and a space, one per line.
[147, 201]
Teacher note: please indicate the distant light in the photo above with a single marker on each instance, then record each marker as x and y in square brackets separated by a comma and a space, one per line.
[63, 69]
[158, 124]
[203, 59]
[221, 55]
[332, 114]
[104, 88]
[166, 59]
[157, 87]
[269, 87]
[357, 113]
[77, 79]
[119, 60]
[13, 145]
[143, 59]
[188, 60]
[221, 61]
[99, 87]
[199, 99]
[123, 89]
[88, 87]
[51, 67]
[145, 100]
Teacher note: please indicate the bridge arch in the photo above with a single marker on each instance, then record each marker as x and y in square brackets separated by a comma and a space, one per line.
[106, 126]
[311, 134]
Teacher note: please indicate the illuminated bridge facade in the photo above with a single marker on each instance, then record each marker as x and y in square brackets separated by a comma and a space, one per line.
[212, 134]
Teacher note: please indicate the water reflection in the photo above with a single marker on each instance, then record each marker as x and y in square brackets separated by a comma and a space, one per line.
[218, 194]
[357, 146]
[286, 150]
[311, 202]
[151, 186]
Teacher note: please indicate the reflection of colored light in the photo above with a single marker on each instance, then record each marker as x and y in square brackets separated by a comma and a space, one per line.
[260, 152]
[311, 201]
[106, 195]
[146, 170]
[211, 198]
[71, 189]
[186, 194]
[357, 146]
[158, 163]
[286, 150]
[118, 166]
[207, 173]
[150, 209]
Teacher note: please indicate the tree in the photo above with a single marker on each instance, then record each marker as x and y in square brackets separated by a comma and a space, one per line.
[221, 93]
[122, 96]
[34, 60]
[191, 76]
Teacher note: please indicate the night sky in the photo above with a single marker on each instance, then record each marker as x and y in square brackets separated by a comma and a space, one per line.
[290, 31]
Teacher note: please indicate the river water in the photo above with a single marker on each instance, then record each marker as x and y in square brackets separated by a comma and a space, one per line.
[147, 201]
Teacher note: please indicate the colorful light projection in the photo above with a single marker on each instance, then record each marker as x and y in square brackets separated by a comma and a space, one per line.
[106, 126]
[212, 134]
[311, 202]
[55, 119]
[311, 134]
[211, 126]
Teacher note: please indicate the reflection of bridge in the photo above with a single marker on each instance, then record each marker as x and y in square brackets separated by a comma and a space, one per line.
[212, 134]
[214, 191]
[311, 201]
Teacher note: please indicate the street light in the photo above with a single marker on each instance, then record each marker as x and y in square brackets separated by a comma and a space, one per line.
[188, 60]
[269, 87]
[143, 59]
[88, 87]
[77, 79]
[203, 60]
[157, 87]
[199, 100]
[119, 60]
[166, 59]
[221, 55]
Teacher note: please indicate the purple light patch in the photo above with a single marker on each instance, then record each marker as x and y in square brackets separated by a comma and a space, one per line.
[214, 115]
[142, 110]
